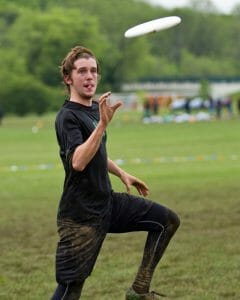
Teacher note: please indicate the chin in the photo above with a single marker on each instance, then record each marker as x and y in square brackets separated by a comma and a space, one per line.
[88, 97]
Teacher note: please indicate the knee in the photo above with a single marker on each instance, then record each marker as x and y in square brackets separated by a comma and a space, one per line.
[173, 222]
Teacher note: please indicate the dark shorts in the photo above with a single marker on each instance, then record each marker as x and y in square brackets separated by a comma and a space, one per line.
[80, 244]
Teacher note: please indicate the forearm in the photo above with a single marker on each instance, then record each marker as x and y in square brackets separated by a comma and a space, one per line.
[84, 153]
[114, 169]
[128, 179]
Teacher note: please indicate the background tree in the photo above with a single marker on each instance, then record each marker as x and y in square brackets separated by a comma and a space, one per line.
[205, 6]
[204, 91]
[236, 10]
[36, 35]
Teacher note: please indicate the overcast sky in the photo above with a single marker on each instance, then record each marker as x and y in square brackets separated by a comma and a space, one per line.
[224, 6]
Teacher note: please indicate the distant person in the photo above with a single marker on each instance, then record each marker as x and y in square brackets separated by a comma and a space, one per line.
[219, 108]
[155, 105]
[187, 106]
[146, 108]
[89, 208]
[211, 105]
[228, 105]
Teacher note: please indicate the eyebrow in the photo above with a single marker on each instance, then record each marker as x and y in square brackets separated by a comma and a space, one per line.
[86, 68]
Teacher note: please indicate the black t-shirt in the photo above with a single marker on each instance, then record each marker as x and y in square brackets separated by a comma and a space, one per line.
[86, 196]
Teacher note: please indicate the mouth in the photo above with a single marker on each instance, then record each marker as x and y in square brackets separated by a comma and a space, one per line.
[89, 86]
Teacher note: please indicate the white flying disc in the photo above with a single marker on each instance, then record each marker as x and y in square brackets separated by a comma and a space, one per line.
[152, 26]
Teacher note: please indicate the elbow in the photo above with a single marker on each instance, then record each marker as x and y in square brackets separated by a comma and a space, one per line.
[77, 166]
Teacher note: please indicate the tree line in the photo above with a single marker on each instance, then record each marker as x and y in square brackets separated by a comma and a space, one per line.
[35, 35]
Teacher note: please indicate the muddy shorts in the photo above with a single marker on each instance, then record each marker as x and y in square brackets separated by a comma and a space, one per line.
[79, 244]
[77, 250]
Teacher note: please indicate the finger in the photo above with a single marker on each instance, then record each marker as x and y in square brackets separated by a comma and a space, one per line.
[141, 184]
[144, 186]
[139, 189]
[146, 190]
[142, 190]
[102, 105]
[128, 188]
[104, 96]
[145, 193]
[116, 106]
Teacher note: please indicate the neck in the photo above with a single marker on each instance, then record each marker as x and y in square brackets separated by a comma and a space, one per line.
[81, 100]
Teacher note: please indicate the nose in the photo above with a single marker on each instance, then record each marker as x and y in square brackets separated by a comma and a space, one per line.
[89, 74]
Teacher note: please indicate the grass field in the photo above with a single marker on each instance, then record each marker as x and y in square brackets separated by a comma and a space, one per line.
[192, 168]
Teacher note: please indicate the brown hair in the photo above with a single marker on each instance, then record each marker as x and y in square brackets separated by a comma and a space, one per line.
[77, 52]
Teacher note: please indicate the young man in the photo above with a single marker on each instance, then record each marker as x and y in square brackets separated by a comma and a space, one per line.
[89, 208]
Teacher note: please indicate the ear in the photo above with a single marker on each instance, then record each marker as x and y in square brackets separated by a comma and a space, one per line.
[67, 79]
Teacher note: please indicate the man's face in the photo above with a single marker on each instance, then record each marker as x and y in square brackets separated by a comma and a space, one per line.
[84, 78]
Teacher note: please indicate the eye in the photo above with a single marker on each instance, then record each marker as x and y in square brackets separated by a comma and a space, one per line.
[94, 71]
[85, 71]
[82, 72]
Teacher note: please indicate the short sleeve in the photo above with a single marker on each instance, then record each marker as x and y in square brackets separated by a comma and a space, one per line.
[73, 134]
[69, 134]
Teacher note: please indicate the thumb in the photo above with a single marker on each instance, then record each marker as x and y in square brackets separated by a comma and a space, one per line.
[117, 105]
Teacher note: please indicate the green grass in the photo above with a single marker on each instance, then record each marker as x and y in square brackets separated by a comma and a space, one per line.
[188, 167]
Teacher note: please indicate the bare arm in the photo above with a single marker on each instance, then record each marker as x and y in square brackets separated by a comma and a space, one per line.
[128, 179]
[84, 153]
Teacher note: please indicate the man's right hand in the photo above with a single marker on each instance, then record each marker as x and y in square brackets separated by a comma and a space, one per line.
[106, 110]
